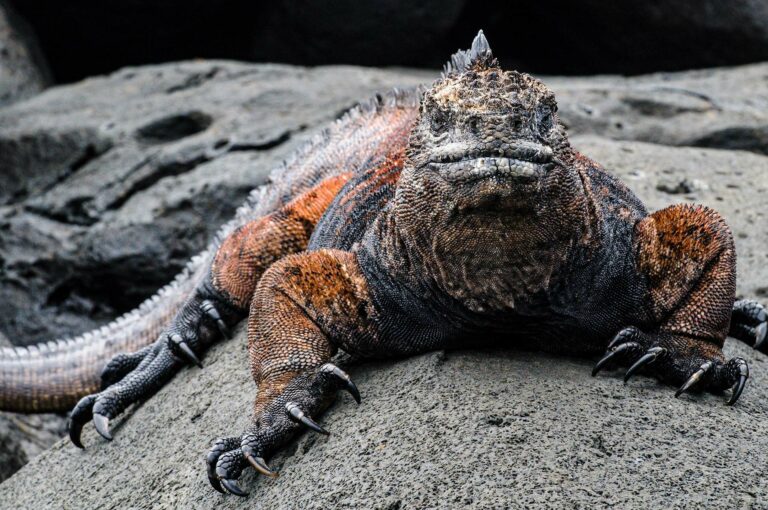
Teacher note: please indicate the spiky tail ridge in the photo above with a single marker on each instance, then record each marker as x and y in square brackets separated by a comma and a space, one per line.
[52, 376]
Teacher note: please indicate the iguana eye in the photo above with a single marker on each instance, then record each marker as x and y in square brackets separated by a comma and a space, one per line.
[438, 121]
[546, 121]
[516, 122]
[474, 124]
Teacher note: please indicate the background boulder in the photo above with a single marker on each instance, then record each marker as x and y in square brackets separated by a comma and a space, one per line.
[23, 71]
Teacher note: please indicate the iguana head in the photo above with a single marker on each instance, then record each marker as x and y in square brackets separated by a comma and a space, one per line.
[487, 197]
[480, 122]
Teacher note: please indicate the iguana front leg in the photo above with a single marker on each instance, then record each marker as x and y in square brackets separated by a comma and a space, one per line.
[302, 304]
[220, 301]
[686, 253]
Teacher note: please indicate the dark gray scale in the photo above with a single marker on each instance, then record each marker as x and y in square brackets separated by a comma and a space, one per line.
[603, 290]
[355, 208]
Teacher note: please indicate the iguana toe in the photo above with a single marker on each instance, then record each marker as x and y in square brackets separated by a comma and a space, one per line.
[229, 466]
[219, 447]
[123, 364]
[749, 323]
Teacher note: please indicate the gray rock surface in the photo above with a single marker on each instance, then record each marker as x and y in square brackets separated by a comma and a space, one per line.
[718, 108]
[476, 429]
[108, 186]
[23, 71]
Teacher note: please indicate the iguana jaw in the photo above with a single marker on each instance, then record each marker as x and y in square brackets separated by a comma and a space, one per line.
[519, 160]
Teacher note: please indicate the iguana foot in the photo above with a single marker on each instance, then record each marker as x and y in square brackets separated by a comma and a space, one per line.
[676, 359]
[749, 323]
[304, 397]
[156, 366]
[129, 378]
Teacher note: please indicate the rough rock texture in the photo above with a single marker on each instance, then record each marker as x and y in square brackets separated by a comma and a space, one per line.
[481, 429]
[718, 108]
[86, 37]
[108, 186]
[23, 71]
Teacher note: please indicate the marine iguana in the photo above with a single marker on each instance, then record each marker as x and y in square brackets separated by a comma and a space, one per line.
[453, 216]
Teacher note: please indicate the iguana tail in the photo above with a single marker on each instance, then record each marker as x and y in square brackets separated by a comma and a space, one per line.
[53, 376]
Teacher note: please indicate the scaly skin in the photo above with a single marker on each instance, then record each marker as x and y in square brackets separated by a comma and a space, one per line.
[468, 221]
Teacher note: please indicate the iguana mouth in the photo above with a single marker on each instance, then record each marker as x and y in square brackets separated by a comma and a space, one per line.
[520, 160]
[473, 169]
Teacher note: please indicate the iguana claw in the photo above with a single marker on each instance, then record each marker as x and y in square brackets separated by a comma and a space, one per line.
[760, 335]
[649, 357]
[185, 350]
[101, 423]
[210, 310]
[694, 378]
[661, 355]
[75, 430]
[258, 463]
[298, 415]
[743, 370]
[80, 415]
[233, 488]
[614, 353]
[348, 384]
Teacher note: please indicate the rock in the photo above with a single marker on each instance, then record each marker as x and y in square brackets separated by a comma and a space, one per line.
[23, 71]
[476, 429]
[718, 108]
[109, 185]
[547, 36]
[23, 437]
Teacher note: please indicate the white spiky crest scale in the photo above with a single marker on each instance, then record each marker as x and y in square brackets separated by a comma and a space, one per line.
[479, 53]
